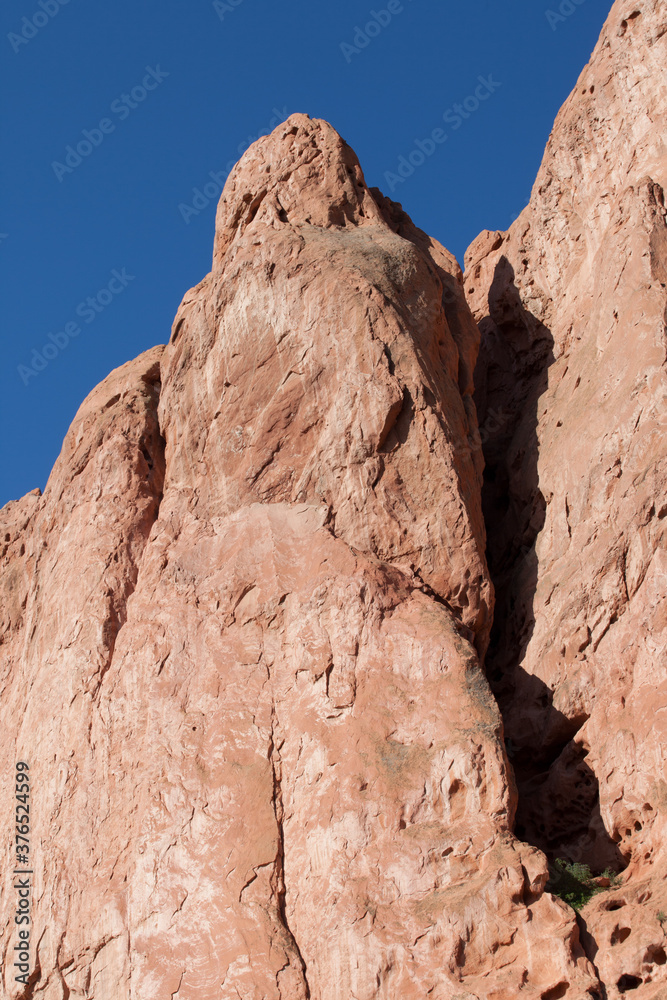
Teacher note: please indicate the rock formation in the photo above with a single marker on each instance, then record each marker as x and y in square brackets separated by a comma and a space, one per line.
[241, 652]
[571, 391]
[245, 634]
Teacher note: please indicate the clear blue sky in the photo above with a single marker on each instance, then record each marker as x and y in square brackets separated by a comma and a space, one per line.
[199, 82]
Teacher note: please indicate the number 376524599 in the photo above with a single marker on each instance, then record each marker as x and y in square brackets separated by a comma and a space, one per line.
[22, 813]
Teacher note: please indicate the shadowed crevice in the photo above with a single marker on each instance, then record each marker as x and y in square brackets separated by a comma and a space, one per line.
[150, 461]
[558, 793]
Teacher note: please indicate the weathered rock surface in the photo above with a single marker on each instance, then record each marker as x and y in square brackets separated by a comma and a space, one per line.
[240, 643]
[571, 393]
[241, 631]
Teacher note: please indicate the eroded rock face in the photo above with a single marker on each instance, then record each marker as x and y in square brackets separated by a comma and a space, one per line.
[241, 652]
[572, 394]
[316, 363]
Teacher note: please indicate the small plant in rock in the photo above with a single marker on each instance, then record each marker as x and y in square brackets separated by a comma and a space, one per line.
[662, 916]
[574, 882]
[614, 878]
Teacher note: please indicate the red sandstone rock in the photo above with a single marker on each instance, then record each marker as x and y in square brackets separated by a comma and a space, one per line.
[572, 393]
[239, 655]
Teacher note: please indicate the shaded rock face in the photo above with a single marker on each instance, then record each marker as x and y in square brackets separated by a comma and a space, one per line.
[571, 394]
[241, 635]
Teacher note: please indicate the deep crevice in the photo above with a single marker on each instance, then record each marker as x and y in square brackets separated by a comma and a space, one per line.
[558, 807]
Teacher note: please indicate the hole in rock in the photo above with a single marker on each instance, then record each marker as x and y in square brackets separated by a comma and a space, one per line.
[559, 808]
[613, 904]
[627, 982]
[110, 403]
[619, 935]
[254, 207]
[556, 992]
[655, 955]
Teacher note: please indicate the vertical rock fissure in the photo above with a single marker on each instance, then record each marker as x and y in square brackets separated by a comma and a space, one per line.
[559, 803]
[117, 615]
[278, 878]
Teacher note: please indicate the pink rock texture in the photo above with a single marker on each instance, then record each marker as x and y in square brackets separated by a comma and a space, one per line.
[571, 390]
[241, 648]
[248, 644]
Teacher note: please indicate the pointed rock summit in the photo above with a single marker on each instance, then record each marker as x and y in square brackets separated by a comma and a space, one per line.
[328, 359]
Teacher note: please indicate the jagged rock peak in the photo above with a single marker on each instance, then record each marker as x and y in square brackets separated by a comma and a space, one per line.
[328, 358]
[304, 172]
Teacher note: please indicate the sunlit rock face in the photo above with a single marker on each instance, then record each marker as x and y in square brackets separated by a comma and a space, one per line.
[571, 395]
[280, 745]
[241, 633]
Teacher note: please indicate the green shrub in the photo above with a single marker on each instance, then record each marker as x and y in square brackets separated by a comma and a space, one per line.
[614, 878]
[573, 882]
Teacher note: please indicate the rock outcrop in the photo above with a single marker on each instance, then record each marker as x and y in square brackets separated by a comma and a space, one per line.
[571, 390]
[248, 646]
[240, 646]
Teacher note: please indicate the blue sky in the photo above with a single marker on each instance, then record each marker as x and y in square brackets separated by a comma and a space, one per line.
[105, 239]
